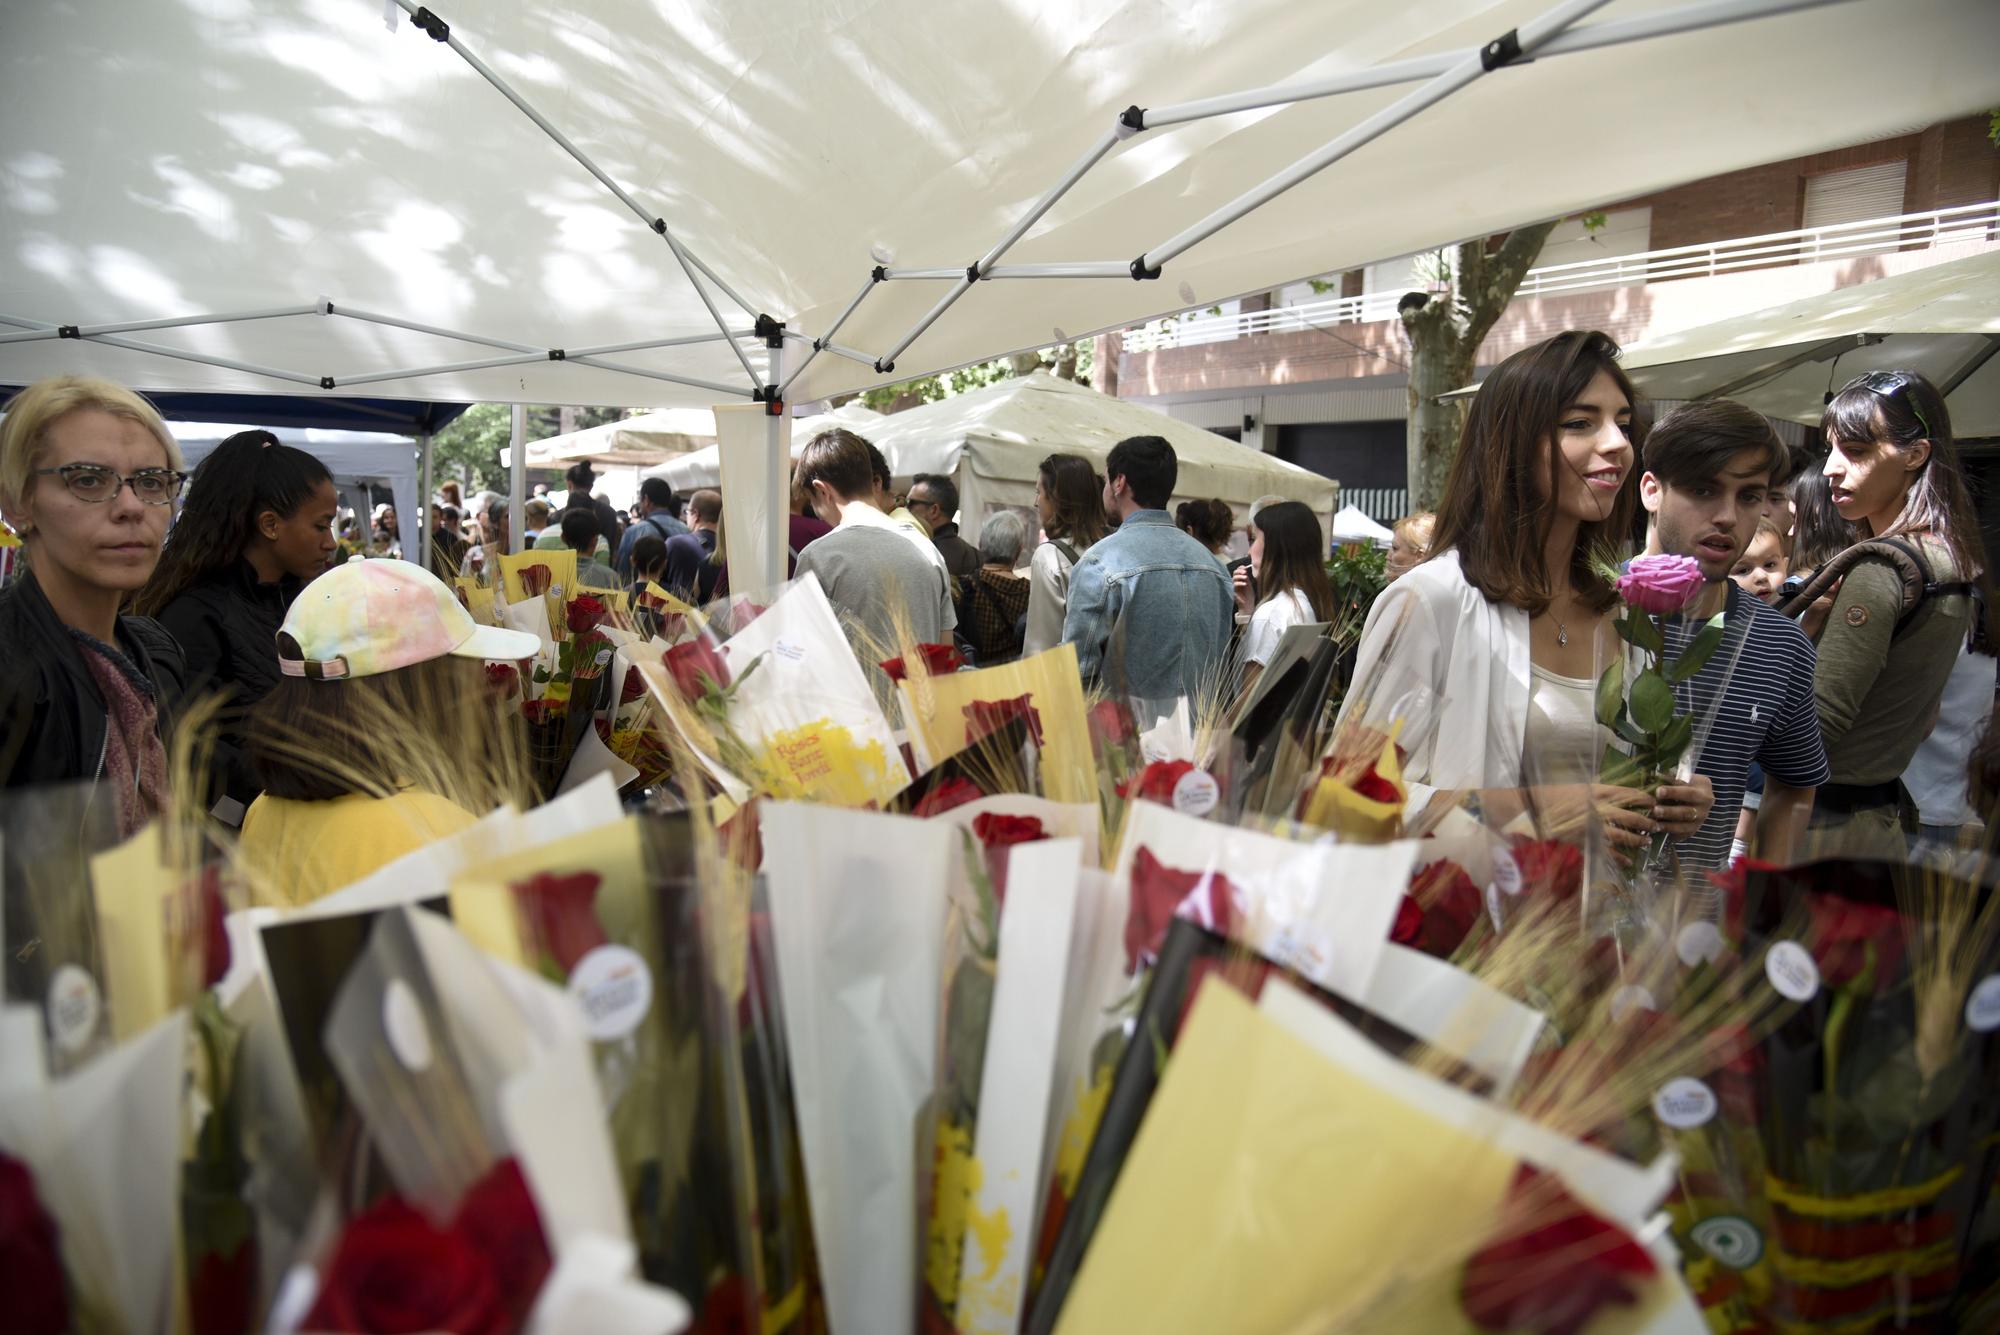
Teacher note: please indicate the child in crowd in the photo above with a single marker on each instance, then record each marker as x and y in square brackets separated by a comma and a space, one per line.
[1762, 568]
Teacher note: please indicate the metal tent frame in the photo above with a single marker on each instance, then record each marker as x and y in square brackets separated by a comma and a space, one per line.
[1437, 77]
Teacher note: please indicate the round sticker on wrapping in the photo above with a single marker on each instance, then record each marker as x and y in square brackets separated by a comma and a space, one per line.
[1506, 872]
[1982, 1008]
[1629, 998]
[614, 989]
[1699, 943]
[403, 1024]
[1684, 1103]
[1730, 1239]
[1791, 970]
[1197, 793]
[75, 1007]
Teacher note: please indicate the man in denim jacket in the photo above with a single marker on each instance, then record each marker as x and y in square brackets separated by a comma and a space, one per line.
[1148, 598]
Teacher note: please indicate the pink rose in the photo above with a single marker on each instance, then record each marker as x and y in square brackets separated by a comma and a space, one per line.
[1660, 584]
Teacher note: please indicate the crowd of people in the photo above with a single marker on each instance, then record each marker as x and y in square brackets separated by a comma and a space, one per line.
[1847, 717]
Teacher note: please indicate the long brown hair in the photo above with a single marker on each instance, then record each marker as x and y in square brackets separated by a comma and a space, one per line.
[1494, 513]
[1077, 495]
[1294, 556]
[432, 725]
[1902, 408]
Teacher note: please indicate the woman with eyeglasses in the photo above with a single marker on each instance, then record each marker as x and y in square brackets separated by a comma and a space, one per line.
[257, 528]
[1892, 470]
[88, 477]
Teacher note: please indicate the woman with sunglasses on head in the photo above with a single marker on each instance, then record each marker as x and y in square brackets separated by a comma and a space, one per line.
[1508, 622]
[1288, 563]
[1069, 499]
[257, 527]
[1892, 470]
[88, 477]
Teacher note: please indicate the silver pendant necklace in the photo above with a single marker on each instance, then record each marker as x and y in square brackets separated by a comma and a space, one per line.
[1562, 635]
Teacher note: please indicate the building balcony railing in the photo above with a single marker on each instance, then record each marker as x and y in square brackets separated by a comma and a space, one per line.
[1806, 245]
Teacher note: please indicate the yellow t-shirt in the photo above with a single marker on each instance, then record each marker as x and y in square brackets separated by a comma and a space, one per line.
[299, 851]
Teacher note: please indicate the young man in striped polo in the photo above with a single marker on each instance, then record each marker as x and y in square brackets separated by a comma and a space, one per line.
[1710, 469]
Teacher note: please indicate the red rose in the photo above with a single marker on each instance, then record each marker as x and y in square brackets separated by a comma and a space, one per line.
[222, 1291]
[632, 687]
[1157, 781]
[394, 1270]
[938, 659]
[1734, 885]
[697, 667]
[1554, 1264]
[1375, 788]
[559, 915]
[1452, 905]
[952, 792]
[503, 681]
[1548, 867]
[1408, 929]
[498, 1217]
[31, 1273]
[1850, 940]
[536, 578]
[1159, 893]
[541, 711]
[201, 900]
[983, 718]
[1111, 723]
[996, 834]
[585, 613]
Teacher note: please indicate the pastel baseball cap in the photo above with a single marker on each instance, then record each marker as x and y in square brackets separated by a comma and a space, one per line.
[368, 617]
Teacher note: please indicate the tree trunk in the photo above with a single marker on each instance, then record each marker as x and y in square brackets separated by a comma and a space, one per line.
[1444, 336]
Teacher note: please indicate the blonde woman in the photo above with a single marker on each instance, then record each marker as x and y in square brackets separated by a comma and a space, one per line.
[88, 478]
[1412, 544]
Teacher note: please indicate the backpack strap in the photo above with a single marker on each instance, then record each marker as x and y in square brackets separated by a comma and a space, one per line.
[1912, 567]
[1069, 552]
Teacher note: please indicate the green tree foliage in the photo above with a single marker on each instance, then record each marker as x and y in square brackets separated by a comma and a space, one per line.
[1071, 361]
[469, 449]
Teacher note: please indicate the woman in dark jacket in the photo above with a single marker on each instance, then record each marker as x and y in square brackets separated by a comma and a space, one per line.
[258, 525]
[88, 477]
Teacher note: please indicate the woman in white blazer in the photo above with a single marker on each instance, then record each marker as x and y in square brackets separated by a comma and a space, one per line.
[1507, 626]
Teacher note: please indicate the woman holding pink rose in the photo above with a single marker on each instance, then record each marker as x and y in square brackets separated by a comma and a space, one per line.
[1509, 623]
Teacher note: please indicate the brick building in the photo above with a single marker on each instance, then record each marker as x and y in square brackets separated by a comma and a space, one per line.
[1315, 372]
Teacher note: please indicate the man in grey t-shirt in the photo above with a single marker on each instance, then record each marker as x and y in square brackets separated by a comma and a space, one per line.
[869, 568]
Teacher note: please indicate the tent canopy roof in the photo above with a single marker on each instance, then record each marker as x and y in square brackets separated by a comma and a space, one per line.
[244, 158]
[1943, 319]
[638, 442]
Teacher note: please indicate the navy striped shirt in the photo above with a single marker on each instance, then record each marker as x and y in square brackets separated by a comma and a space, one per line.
[1767, 714]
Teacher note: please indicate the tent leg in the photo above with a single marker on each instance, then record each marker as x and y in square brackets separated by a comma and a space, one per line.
[777, 477]
[517, 481]
[424, 494]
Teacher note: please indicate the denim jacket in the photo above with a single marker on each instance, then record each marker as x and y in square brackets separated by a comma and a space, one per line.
[1150, 611]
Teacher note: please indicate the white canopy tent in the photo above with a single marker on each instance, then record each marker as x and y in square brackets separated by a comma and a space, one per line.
[363, 463]
[703, 467]
[1943, 321]
[1350, 525]
[914, 184]
[991, 442]
[642, 441]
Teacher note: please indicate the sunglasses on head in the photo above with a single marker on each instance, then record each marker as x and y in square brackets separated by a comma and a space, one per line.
[1887, 385]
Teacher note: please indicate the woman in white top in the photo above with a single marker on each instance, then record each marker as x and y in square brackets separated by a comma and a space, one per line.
[1288, 561]
[1506, 626]
[1070, 500]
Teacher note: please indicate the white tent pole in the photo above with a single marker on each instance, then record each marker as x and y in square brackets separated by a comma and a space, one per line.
[418, 372]
[204, 359]
[438, 30]
[958, 289]
[852, 354]
[517, 480]
[896, 275]
[648, 344]
[1092, 156]
[1616, 32]
[171, 322]
[1085, 269]
[1467, 69]
[826, 340]
[424, 494]
[777, 477]
[711, 386]
[418, 327]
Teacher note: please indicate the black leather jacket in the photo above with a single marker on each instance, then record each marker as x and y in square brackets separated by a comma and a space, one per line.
[227, 626]
[52, 720]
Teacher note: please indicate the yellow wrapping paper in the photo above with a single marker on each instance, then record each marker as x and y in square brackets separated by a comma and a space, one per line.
[935, 709]
[1334, 806]
[562, 575]
[133, 889]
[482, 906]
[477, 595]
